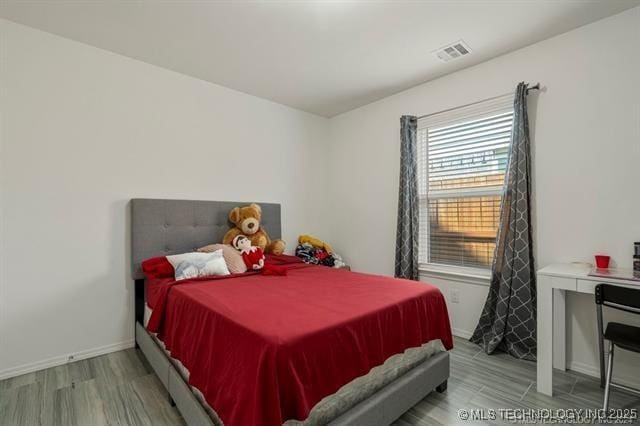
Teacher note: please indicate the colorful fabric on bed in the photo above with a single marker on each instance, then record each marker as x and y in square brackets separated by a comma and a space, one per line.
[265, 349]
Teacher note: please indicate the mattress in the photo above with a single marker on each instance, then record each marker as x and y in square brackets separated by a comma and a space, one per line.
[272, 350]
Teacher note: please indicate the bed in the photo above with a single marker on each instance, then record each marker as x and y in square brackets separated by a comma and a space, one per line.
[326, 345]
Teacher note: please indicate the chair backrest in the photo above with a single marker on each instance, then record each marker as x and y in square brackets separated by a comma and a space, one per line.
[622, 298]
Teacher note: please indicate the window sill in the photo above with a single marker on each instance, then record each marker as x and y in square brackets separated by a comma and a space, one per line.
[453, 273]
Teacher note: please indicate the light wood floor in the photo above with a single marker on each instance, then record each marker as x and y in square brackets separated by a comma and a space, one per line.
[120, 389]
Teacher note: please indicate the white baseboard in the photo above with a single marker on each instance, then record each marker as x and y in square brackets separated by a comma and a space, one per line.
[594, 371]
[462, 333]
[579, 367]
[64, 359]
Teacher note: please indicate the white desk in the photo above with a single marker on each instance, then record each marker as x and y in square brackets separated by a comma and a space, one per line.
[553, 281]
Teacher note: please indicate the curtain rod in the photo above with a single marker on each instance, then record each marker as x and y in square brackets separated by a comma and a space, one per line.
[534, 87]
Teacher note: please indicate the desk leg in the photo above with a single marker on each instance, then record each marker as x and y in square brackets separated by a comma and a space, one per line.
[559, 330]
[600, 345]
[545, 335]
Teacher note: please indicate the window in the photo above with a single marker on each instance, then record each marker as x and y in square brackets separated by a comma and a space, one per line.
[462, 161]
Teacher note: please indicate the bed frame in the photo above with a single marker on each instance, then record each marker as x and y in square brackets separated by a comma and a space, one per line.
[163, 227]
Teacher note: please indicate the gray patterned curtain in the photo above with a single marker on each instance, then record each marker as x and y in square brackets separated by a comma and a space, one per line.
[407, 234]
[508, 321]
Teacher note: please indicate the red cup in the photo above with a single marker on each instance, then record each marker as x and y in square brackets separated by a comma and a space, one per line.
[602, 261]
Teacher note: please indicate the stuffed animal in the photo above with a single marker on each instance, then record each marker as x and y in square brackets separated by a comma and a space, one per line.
[316, 242]
[253, 256]
[247, 222]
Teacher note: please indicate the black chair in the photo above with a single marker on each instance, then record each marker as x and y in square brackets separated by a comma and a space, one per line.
[621, 335]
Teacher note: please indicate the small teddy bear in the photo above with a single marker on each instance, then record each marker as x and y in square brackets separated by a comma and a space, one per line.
[253, 256]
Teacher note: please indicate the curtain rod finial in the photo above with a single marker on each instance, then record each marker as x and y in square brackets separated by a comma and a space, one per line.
[534, 87]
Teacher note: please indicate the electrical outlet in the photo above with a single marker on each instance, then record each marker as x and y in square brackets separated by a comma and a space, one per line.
[455, 296]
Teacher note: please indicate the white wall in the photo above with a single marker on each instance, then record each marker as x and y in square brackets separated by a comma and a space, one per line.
[83, 131]
[586, 147]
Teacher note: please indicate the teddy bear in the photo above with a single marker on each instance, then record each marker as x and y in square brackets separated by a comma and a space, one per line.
[247, 222]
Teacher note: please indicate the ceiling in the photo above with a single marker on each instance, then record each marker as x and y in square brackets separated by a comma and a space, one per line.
[324, 57]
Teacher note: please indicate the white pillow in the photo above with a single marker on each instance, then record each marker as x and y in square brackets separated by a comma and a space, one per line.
[193, 265]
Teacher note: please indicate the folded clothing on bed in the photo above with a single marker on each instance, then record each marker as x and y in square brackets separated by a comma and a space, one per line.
[266, 349]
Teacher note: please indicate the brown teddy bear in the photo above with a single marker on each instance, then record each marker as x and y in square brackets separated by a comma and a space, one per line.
[247, 222]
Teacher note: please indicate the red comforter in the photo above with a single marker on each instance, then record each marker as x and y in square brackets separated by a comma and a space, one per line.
[265, 349]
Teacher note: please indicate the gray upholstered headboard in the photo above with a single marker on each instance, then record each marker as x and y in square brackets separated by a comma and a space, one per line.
[161, 227]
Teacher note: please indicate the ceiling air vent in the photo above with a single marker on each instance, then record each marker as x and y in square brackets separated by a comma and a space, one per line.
[452, 51]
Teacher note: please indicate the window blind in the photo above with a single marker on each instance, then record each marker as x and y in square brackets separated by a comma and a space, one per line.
[461, 171]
